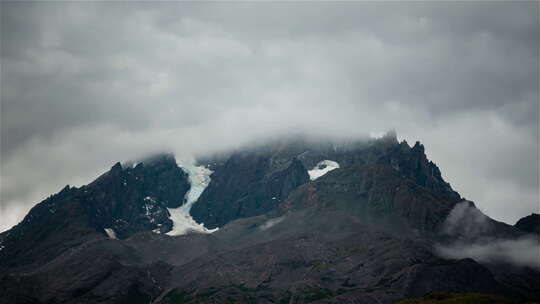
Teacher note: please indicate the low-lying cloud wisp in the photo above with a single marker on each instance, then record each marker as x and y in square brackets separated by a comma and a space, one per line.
[479, 240]
[521, 252]
[272, 222]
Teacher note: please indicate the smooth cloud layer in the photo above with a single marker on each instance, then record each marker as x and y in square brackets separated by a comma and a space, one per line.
[87, 84]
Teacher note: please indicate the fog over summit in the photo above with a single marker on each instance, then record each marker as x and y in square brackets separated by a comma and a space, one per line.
[88, 84]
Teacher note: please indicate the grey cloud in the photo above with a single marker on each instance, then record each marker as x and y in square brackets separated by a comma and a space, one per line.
[473, 227]
[271, 223]
[87, 84]
[521, 252]
[465, 219]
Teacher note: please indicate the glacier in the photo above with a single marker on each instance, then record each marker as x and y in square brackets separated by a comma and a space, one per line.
[199, 179]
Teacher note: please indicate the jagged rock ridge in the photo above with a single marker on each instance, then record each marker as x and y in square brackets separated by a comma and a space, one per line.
[127, 200]
[254, 181]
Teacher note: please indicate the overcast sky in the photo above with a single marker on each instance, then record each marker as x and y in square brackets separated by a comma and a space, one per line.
[87, 84]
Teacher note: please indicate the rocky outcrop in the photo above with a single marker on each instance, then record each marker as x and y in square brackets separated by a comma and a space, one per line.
[255, 180]
[529, 223]
[413, 164]
[136, 198]
[125, 199]
[247, 184]
[376, 193]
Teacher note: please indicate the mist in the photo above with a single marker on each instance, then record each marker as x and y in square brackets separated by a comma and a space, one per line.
[520, 252]
[88, 84]
[473, 228]
[271, 223]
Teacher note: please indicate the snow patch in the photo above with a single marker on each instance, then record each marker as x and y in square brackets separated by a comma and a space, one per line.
[199, 178]
[111, 233]
[322, 168]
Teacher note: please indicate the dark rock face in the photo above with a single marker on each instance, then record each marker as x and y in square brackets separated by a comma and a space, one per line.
[413, 164]
[247, 185]
[255, 181]
[530, 223]
[130, 200]
[410, 162]
[375, 192]
[127, 200]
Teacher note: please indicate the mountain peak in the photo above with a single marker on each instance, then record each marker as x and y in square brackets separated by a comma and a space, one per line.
[529, 223]
[418, 147]
[390, 136]
[117, 167]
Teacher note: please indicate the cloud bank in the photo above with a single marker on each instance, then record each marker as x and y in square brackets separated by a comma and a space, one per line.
[477, 241]
[521, 252]
[87, 84]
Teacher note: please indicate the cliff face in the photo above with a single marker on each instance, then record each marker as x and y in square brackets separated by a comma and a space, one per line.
[126, 200]
[255, 181]
[377, 193]
[133, 199]
[247, 185]
[529, 223]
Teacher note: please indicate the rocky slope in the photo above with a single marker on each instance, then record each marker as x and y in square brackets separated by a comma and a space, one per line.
[363, 232]
[530, 223]
[125, 200]
[375, 193]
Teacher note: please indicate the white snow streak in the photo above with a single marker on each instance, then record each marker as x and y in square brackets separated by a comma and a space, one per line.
[199, 178]
[111, 233]
[322, 168]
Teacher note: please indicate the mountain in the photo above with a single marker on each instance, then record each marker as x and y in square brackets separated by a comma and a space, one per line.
[286, 221]
[253, 182]
[124, 201]
[530, 223]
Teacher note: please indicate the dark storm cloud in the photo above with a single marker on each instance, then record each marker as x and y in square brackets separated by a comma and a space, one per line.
[89, 83]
